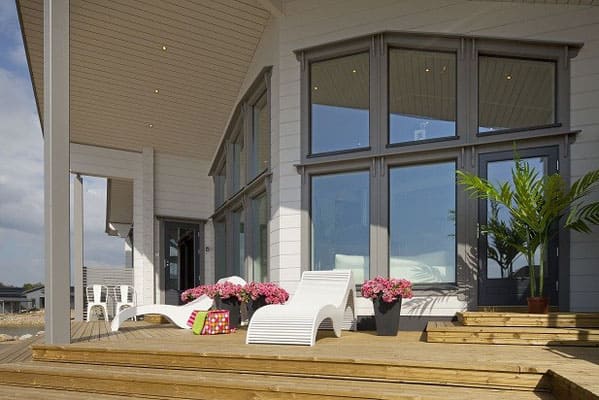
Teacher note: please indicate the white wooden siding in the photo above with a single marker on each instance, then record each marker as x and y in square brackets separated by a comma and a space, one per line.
[313, 22]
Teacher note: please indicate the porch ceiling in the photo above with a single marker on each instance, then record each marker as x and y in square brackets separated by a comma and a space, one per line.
[118, 63]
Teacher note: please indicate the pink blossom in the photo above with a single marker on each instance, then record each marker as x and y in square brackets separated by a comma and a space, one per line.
[387, 289]
[273, 293]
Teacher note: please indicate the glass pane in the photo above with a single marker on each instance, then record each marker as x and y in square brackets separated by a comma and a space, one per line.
[220, 245]
[171, 258]
[422, 95]
[238, 253]
[515, 93]
[422, 227]
[238, 160]
[260, 234]
[219, 187]
[341, 223]
[503, 261]
[340, 103]
[261, 136]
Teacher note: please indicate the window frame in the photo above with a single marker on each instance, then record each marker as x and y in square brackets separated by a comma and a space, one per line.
[463, 149]
[240, 126]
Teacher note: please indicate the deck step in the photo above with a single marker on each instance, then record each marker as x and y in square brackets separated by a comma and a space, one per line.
[455, 332]
[514, 319]
[495, 376]
[27, 393]
[184, 384]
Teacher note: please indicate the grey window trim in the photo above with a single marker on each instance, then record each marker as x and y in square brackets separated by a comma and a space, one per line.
[464, 148]
[240, 126]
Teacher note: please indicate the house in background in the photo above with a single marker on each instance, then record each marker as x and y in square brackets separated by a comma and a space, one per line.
[264, 138]
[36, 297]
[12, 300]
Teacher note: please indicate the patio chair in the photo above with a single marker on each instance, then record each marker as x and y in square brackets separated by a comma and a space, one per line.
[323, 300]
[124, 297]
[177, 315]
[97, 296]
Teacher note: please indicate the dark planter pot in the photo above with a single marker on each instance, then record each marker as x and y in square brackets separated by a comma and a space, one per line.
[232, 305]
[538, 305]
[386, 316]
[253, 305]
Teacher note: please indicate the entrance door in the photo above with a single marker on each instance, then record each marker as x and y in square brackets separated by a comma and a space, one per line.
[503, 273]
[182, 258]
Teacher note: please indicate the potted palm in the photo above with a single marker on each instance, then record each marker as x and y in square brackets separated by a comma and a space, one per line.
[535, 204]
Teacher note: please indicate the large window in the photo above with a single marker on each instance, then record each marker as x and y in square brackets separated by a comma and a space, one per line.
[422, 234]
[388, 119]
[515, 93]
[341, 223]
[422, 95]
[241, 173]
[339, 92]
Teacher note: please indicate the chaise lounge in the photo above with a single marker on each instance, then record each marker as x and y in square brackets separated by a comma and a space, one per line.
[323, 300]
[178, 315]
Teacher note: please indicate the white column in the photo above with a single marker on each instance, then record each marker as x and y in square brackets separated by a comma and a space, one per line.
[56, 171]
[78, 245]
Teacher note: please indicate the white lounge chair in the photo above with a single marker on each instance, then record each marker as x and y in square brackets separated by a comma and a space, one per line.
[177, 315]
[323, 300]
[97, 297]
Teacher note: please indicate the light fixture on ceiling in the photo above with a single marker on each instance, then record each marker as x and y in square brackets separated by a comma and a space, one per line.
[508, 77]
[315, 88]
[164, 47]
[444, 68]
[150, 125]
[156, 91]
[427, 69]
[354, 71]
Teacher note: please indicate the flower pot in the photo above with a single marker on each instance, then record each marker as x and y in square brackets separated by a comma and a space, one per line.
[253, 305]
[386, 316]
[232, 305]
[538, 305]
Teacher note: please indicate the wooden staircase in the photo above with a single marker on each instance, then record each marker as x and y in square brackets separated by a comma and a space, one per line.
[118, 373]
[553, 329]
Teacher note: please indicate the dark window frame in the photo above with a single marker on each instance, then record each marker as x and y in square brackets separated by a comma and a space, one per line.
[464, 148]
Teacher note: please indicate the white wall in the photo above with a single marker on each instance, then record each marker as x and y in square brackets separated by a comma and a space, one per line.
[312, 22]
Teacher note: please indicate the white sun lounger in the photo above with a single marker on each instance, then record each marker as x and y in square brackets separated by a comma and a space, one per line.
[177, 315]
[323, 300]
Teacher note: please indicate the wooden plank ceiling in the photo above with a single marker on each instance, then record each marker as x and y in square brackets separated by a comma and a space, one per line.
[160, 73]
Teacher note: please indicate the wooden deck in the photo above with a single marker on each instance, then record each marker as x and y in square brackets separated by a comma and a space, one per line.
[145, 360]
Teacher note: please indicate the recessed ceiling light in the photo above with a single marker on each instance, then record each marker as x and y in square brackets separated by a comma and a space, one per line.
[427, 70]
[508, 77]
[354, 71]
[315, 87]
[156, 91]
[164, 47]
[444, 68]
[150, 125]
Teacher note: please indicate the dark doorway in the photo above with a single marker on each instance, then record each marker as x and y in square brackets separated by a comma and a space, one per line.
[182, 258]
[503, 273]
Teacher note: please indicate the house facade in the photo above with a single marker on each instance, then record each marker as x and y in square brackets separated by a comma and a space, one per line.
[267, 138]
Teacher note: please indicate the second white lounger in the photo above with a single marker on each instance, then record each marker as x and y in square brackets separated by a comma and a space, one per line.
[177, 315]
[322, 299]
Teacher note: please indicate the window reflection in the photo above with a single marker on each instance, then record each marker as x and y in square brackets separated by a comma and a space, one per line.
[260, 134]
[238, 251]
[515, 93]
[341, 223]
[503, 261]
[260, 235]
[422, 95]
[220, 243]
[339, 92]
[422, 228]
[238, 160]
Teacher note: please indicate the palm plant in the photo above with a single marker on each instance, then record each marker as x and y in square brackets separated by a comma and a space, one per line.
[536, 204]
[502, 234]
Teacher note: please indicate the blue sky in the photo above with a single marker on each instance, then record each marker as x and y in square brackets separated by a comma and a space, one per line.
[21, 173]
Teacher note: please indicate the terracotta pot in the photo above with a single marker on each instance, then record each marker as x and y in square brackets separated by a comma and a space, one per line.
[386, 316]
[538, 305]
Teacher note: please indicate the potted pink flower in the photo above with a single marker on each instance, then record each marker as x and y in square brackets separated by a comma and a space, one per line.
[226, 295]
[386, 295]
[258, 294]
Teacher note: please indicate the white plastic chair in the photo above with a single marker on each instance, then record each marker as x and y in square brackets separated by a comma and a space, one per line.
[97, 296]
[323, 300]
[178, 315]
[124, 297]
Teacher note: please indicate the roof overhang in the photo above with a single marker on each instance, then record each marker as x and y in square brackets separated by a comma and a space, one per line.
[159, 74]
